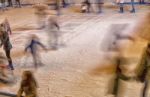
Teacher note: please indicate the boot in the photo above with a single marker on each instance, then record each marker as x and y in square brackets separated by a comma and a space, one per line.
[132, 11]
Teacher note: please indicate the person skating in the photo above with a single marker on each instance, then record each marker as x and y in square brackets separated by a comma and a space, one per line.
[28, 85]
[64, 4]
[142, 1]
[121, 6]
[7, 26]
[53, 29]
[143, 69]
[10, 4]
[5, 42]
[133, 8]
[86, 6]
[5, 77]
[18, 3]
[57, 7]
[41, 14]
[33, 46]
[100, 5]
[3, 5]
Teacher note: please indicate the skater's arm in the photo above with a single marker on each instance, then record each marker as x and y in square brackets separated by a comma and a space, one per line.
[26, 48]
[39, 43]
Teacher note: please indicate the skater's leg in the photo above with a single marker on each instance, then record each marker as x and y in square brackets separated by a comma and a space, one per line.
[9, 59]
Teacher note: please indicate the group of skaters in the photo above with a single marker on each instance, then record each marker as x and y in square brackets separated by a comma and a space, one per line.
[28, 85]
[142, 70]
[32, 47]
[86, 6]
[4, 5]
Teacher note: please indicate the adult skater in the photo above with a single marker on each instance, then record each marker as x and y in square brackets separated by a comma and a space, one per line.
[33, 46]
[5, 42]
[53, 29]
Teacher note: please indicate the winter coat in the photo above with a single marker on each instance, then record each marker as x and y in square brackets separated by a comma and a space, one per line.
[29, 91]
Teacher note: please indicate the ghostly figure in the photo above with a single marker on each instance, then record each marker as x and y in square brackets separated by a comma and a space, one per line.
[41, 13]
[52, 30]
[33, 47]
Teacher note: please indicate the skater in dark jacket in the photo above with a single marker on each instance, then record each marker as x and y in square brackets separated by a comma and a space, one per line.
[34, 42]
[10, 4]
[5, 42]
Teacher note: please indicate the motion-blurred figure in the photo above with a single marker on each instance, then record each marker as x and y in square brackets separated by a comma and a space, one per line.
[64, 4]
[33, 46]
[7, 26]
[18, 3]
[3, 5]
[5, 42]
[121, 6]
[100, 5]
[5, 76]
[28, 85]
[10, 4]
[53, 34]
[41, 13]
[143, 70]
[85, 7]
[142, 1]
[57, 6]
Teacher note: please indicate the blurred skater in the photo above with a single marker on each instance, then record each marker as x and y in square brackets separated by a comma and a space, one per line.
[142, 1]
[5, 76]
[121, 6]
[53, 29]
[3, 5]
[33, 46]
[18, 3]
[28, 85]
[64, 4]
[5, 42]
[100, 5]
[41, 13]
[10, 4]
[57, 7]
[86, 6]
[143, 70]
[7, 26]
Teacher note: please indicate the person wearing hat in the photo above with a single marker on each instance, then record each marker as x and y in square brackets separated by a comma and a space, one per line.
[143, 69]
[100, 4]
[18, 3]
